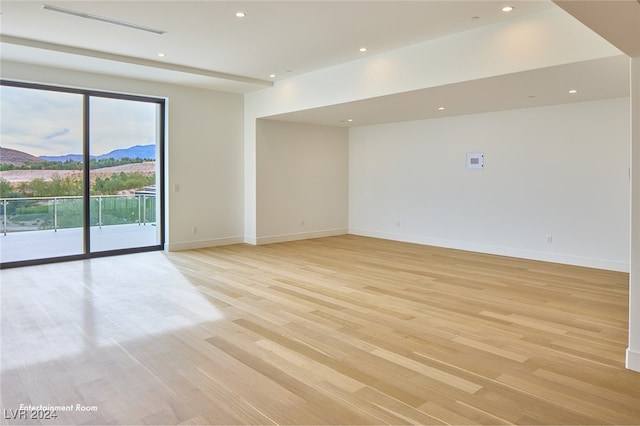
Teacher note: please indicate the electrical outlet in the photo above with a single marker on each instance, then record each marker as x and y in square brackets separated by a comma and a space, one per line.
[549, 238]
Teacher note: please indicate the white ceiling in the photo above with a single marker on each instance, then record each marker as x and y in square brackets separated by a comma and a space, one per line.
[207, 46]
[276, 37]
[527, 89]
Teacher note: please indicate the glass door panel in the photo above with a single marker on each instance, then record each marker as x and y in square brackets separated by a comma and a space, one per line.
[123, 174]
[41, 174]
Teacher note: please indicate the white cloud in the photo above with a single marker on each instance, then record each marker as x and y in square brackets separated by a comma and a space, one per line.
[42, 122]
[28, 117]
[117, 123]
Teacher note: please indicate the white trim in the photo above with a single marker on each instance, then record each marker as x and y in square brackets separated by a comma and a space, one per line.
[301, 236]
[633, 360]
[204, 243]
[251, 240]
[498, 250]
[38, 44]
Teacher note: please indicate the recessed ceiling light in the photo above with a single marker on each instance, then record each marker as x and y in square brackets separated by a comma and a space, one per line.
[363, 49]
[240, 14]
[162, 55]
[573, 91]
[350, 120]
[441, 108]
[272, 75]
[507, 8]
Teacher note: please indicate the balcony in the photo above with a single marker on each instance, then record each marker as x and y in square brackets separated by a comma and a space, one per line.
[35, 228]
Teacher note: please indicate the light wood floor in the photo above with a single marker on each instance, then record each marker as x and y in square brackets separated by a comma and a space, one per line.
[341, 330]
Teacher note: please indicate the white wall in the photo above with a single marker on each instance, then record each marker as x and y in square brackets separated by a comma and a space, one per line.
[204, 147]
[633, 351]
[548, 38]
[302, 181]
[560, 171]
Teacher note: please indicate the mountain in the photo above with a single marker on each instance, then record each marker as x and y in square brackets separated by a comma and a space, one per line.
[137, 151]
[62, 158]
[15, 157]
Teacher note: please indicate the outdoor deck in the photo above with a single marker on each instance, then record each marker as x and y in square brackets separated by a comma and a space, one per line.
[29, 245]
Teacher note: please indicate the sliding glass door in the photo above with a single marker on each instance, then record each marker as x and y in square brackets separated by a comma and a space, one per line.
[80, 173]
[124, 136]
[40, 196]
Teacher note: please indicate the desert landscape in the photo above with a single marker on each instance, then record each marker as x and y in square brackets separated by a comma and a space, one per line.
[146, 168]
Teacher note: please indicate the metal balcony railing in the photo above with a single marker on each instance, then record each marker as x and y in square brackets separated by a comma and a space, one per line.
[42, 213]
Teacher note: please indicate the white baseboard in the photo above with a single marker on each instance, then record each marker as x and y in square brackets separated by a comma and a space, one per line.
[190, 245]
[633, 360]
[502, 251]
[300, 236]
[459, 245]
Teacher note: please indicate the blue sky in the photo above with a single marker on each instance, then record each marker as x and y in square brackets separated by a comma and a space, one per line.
[42, 122]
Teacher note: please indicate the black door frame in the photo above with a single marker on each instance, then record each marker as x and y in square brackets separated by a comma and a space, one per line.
[160, 192]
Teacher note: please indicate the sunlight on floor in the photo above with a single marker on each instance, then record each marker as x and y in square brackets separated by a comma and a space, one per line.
[88, 304]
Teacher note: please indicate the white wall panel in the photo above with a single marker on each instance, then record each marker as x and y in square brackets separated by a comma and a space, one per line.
[302, 181]
[560, 171]
[633, 351]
